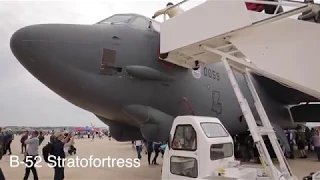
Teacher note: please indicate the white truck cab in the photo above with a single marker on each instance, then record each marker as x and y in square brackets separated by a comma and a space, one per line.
[195, 139]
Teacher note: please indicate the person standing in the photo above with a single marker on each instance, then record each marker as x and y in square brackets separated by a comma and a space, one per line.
[58, 152]
[23, 144]
[109, 135]
[308, 136]
[8, 140]
[52, 137]
[138, 144]
[291, 143]
[163, 148]
[31, 156]
[41, 137]
[149, 150]
[156, 148]
[93, 134]
[1, 143]
[1, 151]
[301, 142]
[316, 143]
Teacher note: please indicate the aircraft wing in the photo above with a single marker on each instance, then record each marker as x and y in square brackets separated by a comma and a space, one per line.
[291, 97]
[282, 92]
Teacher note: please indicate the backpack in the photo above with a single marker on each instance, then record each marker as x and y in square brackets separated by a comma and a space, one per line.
[47, 150]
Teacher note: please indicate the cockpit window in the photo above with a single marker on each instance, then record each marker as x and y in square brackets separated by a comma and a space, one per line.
[156, 25]
[140, 22]
[117, 19]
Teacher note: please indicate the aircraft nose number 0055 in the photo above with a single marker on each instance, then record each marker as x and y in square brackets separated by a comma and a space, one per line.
[211, 73]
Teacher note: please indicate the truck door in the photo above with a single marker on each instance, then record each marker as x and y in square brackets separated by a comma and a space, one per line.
[184, 156]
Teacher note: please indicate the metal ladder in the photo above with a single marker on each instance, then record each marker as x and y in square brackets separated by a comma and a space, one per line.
[257, 132]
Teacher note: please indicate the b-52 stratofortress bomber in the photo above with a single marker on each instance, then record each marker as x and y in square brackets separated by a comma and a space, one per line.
[113, 70]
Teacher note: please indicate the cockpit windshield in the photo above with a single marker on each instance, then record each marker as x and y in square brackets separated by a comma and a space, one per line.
[156, 25]
[133, 19]
[117, 19]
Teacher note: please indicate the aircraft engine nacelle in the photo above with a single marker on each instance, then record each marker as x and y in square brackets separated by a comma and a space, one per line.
[158, 126]
[154, 132]
[155, 125]
[122, 132]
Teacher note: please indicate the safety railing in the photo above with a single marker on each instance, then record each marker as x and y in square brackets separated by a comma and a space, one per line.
[279, 3]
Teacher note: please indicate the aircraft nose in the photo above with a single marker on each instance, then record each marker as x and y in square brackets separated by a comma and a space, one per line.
[19, 43]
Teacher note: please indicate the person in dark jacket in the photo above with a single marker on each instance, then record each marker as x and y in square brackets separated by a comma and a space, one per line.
[301, 142]
[244, 146]
[40, 137]
[270, 9]
[1, 151]
[22, 141]
[8, 138]
[58, 152]
[149, 150]
[1, 143]
[308, 135]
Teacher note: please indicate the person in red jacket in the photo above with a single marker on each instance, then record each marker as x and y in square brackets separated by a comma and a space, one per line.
[255, 7]
[268, 9]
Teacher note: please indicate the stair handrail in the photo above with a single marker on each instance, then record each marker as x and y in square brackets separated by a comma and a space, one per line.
[279, 3]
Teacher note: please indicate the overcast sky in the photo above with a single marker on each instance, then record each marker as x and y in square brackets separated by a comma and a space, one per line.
[24, 100]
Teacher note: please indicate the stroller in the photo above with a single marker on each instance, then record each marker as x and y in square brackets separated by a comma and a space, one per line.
[72, 150]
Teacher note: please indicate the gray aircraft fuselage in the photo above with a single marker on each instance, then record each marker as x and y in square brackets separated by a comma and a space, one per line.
[113, 70]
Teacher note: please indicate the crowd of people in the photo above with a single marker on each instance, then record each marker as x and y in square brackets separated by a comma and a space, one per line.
[149, 148]
[92, 134]
[309, 139]
[60, 144]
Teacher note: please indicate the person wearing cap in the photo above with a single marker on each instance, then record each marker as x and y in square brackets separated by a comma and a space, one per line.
[59, 145]
[171, 11]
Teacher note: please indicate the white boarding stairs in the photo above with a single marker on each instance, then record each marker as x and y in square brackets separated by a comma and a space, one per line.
[279, 48]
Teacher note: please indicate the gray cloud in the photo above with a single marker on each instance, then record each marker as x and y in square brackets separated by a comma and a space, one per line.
[24, 100]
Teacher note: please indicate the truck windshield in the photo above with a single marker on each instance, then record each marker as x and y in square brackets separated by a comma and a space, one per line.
[214, 130]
